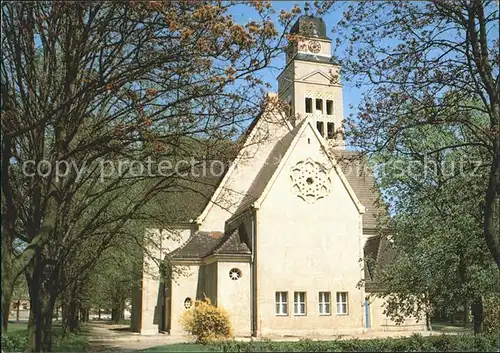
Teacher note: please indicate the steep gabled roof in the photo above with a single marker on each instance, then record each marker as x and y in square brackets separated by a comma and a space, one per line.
[268, 169]
[191, 203]
[198, 246]
[308, 124]
[360, 177]
[378, 255]
[370, 257]
[203, 244]
[234, 243]
[247, 138]
[354, 169]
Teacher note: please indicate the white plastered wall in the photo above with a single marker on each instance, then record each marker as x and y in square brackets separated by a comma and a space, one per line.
[308, 247]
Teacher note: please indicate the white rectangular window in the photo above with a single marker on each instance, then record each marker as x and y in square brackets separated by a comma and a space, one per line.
[281, 303]
[342, 303]
[324, 303]
[299, 303]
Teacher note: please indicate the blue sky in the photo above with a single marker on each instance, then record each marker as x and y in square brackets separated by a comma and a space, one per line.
[243, 13]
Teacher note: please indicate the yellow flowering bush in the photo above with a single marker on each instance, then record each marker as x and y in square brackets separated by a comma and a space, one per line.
[207, 322]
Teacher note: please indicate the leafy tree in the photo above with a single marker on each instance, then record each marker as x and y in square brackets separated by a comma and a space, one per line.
[119, 264]
[89, 84]
[425, 65]
[442, 261]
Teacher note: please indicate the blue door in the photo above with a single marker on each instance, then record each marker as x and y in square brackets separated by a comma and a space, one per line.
[367, 313]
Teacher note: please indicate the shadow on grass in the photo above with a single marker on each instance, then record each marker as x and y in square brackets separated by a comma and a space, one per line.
[448, 327]
[178, 347]
[122, 329]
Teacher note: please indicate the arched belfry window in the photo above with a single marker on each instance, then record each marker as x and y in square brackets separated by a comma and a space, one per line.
[329, 107]
[321, 128]
[309, 104]
[319, 105]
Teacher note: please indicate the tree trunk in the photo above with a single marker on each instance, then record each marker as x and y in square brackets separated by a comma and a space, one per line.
[478, 315]
[64, 313]
[72, 319]
[117, 312]
[7, 289]
[18, 309]
[84, 315]
[490, 229]
[114, 315]
[466, 312]
[99, 313]
[42, 309]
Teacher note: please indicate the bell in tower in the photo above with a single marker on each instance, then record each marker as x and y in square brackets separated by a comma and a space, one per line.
[310, 83]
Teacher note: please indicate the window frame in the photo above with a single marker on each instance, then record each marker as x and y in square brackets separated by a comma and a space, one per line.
[278, 303]
[322, 130]
[329, 107]
[341, 302]
[297, 303]
[309, 104]
[330, 130]
[320, 101]
[324, 299]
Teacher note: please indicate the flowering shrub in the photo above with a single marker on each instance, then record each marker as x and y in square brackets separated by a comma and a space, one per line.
[207, 322]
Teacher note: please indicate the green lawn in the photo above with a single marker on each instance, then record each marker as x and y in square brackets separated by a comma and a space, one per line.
[16, 338]
[448, 327]
[123, 322]
[15, 327]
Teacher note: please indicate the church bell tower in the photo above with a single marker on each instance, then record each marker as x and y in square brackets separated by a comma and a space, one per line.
[310, 81]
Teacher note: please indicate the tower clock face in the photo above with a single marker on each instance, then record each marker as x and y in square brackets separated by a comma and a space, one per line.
[314, 47]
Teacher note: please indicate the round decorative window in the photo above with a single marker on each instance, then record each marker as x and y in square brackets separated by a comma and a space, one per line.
[188, 303]
[310, 181]
[235, 274]
[314, 47]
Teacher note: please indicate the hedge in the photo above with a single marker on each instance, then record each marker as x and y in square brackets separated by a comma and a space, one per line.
[414, 343]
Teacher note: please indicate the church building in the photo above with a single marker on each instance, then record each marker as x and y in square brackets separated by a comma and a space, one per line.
[282, 242]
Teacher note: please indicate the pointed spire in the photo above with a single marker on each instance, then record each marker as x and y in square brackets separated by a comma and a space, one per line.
[306, 8]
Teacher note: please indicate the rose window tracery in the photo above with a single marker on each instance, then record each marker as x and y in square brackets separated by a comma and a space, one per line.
[310, 181]
[235, 274]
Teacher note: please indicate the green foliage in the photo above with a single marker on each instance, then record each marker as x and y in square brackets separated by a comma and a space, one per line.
[418, 113]
[435, 197]
[492, 313]
[16, 340]
[180, 71]
[14, 343]
[207, 322]
[415, 343]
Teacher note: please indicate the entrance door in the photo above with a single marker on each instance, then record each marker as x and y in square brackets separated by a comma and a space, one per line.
[367, 314]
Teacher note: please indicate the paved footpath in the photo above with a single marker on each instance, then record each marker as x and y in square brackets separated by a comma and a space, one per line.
[106, 337]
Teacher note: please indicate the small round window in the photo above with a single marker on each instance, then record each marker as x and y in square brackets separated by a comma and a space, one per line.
[235, 274]
[188, 303]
